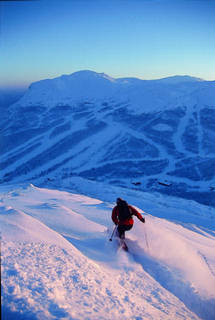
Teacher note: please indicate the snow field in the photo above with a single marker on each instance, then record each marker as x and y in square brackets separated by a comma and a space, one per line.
[57, 262]
[50, 283]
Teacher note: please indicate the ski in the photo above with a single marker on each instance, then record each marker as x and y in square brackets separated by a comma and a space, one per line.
[123, 245]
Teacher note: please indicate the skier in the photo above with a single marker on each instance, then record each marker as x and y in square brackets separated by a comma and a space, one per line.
[122, 217]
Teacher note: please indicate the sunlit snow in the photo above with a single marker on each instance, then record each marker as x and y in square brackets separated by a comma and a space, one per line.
[58, 262]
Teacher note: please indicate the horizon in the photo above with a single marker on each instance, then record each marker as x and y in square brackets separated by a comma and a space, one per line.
[145, 39]
[24, 88]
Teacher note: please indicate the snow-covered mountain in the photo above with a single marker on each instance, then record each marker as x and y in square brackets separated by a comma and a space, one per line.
[57, 261]
[154, 135]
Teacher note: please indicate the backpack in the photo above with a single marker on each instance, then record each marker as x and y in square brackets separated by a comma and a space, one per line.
[124, 211]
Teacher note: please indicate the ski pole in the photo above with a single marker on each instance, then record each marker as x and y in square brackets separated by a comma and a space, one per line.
[146, 238]
[112, 233]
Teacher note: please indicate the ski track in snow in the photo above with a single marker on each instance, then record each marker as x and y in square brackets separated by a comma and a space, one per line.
[45, 140]
[183, 124]
[57, 262]
[208, 264]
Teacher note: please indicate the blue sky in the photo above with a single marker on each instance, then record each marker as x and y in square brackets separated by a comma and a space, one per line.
[137, 38]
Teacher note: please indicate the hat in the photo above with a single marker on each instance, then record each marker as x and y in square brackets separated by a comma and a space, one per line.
[119, 200]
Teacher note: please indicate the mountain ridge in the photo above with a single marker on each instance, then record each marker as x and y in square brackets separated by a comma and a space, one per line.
[92, 86]
[160, 136]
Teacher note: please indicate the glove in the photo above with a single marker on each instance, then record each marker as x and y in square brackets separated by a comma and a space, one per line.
[143, 220]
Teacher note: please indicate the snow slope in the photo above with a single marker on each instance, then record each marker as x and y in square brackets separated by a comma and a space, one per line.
[58, 262]
[121, 131]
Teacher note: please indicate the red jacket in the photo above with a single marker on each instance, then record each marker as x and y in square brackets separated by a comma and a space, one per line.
[127, 222]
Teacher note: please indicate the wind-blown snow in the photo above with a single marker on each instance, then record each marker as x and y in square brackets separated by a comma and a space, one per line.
[58, 262]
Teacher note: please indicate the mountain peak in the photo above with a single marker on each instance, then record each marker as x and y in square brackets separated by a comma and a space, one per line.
[179, 79]
[88, 75]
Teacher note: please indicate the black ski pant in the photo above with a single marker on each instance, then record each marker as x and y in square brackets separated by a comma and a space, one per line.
[121, 230]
